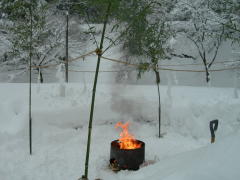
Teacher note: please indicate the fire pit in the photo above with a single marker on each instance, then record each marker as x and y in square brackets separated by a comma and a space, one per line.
[126, 152]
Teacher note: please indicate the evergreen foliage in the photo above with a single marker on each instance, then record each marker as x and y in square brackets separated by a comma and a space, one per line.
[154, 47]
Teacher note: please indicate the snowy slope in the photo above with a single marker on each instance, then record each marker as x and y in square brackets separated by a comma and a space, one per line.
[60, 131]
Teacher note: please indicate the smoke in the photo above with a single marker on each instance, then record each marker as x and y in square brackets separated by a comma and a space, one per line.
[129, 108]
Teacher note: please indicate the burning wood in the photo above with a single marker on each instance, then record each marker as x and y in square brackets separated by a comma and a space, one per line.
[127, 140]
[126, 152]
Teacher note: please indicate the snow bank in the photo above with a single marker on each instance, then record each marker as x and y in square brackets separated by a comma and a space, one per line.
[185, 110]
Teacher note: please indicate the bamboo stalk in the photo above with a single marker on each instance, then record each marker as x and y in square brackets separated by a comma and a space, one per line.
[30, 81]
[94, 92]
[66, 58]
[159, 102]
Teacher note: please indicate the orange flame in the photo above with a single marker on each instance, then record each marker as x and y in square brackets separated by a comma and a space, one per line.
[127, 140]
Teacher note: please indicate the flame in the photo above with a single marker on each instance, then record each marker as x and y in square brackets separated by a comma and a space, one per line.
[127, 140]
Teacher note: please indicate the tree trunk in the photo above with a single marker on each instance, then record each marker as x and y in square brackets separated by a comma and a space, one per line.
[85, 176]
[40, 75]
[206, 69]
[159, 102]
[207, 74]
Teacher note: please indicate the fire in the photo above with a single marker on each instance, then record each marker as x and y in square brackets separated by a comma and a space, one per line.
[127, 140]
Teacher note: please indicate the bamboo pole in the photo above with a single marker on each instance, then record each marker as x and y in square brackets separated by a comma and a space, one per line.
[30, 81]
[99, 53]
[159, 102]
[66, 58]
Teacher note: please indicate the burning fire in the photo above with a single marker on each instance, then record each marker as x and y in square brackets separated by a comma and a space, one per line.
[127, 140]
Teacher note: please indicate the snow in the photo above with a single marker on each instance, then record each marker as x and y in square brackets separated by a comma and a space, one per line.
[78, 46]
[217, 161]
[60, 111]
[60, 127]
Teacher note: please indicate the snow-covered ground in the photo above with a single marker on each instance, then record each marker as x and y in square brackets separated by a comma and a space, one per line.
[60, 127]
[60, 123]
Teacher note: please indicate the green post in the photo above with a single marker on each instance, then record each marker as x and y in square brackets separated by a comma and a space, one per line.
[30, 81]
[159, 101]
[99, 53]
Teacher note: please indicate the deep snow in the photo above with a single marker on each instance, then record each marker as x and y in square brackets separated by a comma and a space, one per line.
[60, 131]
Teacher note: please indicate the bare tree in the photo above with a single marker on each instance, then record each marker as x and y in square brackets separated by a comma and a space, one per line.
[206, 34]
